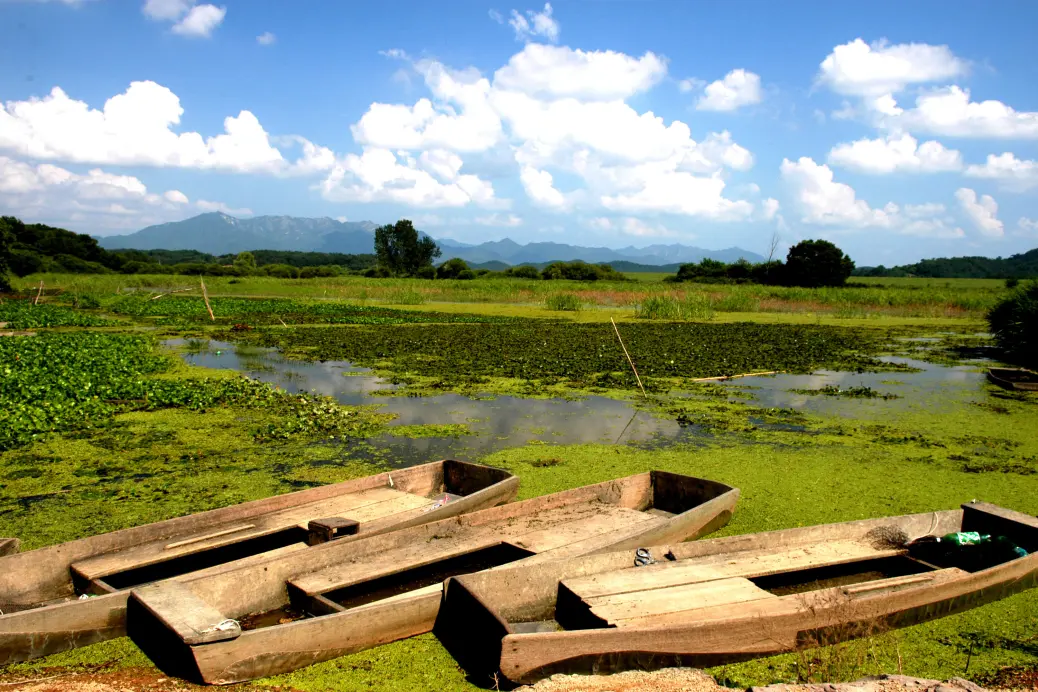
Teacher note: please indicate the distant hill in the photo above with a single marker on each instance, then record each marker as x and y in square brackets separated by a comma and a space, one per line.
[510, 252]
[217, 233]
[1017, 266]
[220, 234]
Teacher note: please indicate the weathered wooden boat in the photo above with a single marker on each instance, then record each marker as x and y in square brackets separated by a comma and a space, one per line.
[731, 599]
[68, 595]
[9, 545]
[296, 610]
[1014, 378]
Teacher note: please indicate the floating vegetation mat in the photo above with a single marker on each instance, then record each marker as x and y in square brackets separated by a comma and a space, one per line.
[583, 355]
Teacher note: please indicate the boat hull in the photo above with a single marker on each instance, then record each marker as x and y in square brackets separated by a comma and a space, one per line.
[1009, 378]
[724, 600]
[283, 648]
[35, 629]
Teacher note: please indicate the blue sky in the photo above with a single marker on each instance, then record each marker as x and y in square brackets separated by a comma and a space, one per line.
[897, 130]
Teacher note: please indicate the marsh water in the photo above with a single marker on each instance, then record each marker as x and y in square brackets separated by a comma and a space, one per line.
[497, 422]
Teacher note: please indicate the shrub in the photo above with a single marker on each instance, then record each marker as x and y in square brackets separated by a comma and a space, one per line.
[377, 272]
[563, 301]
[451, 268]
[1012, 282]
[523, 271]
[578, 270]
[1014, 323]
[426, 272]
[282, 271]
[466, 274]
[322, 271]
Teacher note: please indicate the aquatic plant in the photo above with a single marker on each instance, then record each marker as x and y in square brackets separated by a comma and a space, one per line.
[1014, 323]
[563, 301]
[862, 392]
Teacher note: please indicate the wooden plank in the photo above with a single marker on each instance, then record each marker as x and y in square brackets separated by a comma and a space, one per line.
[605, 519]
[206, 537]
[191, 618]
[832, 600]
[363, 506]
[538, 532]
[750, 563]
[638, 605]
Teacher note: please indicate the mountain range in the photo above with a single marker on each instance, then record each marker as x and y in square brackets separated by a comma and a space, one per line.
[218, 233]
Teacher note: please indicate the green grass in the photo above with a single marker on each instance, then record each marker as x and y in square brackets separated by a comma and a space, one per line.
[897, 297]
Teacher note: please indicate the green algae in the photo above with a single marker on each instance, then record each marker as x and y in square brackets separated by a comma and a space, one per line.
[429, 430]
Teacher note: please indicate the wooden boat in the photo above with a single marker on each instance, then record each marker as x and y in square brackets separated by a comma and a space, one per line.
[49, 596]
[296, 610]
[1014, 378]
[730, 599]
[8, 546]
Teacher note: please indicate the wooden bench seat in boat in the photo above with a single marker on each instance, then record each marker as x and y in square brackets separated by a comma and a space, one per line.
[193, 619]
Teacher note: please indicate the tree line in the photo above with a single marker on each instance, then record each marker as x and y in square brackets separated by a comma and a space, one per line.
[1019, 266]
[810, 263]
[31, 248]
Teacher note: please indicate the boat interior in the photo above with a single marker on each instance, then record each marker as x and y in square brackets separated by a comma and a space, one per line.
[675, 589]
[416, 562]
[283, 531]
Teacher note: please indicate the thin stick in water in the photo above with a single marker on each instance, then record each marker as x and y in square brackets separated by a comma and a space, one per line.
[205, 296]
[629, 358]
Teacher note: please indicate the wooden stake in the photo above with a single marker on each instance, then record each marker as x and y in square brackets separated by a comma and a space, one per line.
[179, 290]
[205, 296]
[732, 377]
[629, 358]
[38, 294]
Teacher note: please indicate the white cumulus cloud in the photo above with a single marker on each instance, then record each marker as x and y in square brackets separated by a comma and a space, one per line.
[949, 111]
[137, 128]
[895, 153]
[861, 69]
[94, 201]
[1016, 174]
[200, 20]
[823, 201]
[377, 175]
[535, 24]
[266, 39]
[738, 88]
[559, 71]
[982, 211]
[189, 19]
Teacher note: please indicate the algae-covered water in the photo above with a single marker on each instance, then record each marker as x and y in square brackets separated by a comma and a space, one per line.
[478, 425]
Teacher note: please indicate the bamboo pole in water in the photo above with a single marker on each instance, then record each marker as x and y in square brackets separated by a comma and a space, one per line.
[629, 358]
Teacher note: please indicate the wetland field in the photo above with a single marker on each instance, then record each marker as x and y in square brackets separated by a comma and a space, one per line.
[118, 407]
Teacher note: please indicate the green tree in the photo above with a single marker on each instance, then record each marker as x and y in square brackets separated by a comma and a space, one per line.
[245, 261]
[1014, 323]
[6, 242]
[451, 268]
[817, 263]
[401, 250]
